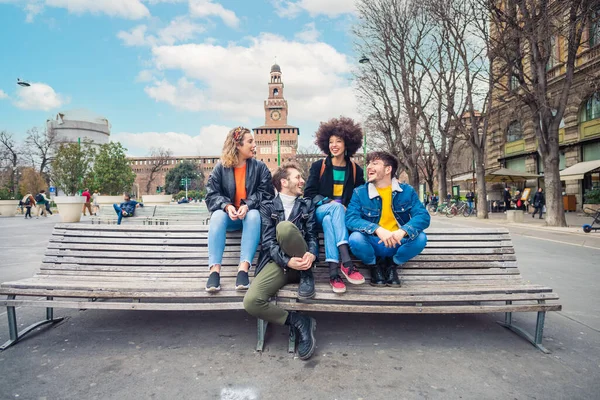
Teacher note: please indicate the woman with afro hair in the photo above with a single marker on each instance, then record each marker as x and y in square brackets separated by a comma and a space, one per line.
[330, 185]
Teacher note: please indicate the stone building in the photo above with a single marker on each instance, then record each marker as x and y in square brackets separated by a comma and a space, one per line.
[511, 139]
[80, 124]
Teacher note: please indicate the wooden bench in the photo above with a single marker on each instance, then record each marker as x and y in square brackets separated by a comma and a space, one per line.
[133, 267]
[179, 214]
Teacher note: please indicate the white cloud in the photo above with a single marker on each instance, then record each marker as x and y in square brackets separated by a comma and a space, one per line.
[145, 75]
[309, 33]
[3, 94]
[180, 29]
[209, 141]
[233, 80]
[129, 9]
[331, 8]
[206, 8]
[39, 96]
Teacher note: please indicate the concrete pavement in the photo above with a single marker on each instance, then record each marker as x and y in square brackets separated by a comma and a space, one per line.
[209, 355]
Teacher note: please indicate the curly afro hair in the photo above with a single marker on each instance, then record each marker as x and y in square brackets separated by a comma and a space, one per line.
[345, 128]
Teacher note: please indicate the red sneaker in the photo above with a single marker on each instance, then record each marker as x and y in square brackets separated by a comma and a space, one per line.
[352, 275]
[337, 285]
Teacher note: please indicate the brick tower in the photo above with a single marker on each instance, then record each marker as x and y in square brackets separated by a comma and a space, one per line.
[276, 121]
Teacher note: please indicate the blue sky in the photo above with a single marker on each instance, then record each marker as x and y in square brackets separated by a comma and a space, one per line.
[175, 73]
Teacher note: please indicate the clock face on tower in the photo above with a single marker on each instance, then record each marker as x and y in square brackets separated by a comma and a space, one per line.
[275, 115]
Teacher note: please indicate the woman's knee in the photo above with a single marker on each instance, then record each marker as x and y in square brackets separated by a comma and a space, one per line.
[253, 217]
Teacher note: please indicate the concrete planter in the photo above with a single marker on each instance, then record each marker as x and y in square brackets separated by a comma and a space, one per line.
[156, 199]
[587, 206]
[104, 200]
[8, 208]
[514, 215]
[69, 207]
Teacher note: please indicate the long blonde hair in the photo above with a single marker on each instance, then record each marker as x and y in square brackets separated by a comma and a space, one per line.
[235, 137]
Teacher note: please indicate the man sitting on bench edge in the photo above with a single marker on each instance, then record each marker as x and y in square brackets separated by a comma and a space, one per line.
[288, 252]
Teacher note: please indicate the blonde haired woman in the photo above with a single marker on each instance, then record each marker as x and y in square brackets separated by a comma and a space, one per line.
[235, 189]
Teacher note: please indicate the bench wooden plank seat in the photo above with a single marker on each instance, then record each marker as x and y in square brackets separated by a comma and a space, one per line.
[135, 267]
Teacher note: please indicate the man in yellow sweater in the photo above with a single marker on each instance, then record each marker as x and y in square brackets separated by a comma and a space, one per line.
[387, 221]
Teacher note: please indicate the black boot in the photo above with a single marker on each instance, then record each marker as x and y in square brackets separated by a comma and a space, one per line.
[306, 288]
[377, 278]
[305, 330]
[391, 276]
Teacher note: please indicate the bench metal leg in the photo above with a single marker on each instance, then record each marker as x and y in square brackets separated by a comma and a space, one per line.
[13, 331]
[292, 342]
[536, 339]
[262, 330]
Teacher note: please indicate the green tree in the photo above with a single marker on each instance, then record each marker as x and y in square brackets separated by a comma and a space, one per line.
[71, 166]
[183, 170]
[112, 171]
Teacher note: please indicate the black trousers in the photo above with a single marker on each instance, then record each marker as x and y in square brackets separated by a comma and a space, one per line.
[28, 212]
[540, 209]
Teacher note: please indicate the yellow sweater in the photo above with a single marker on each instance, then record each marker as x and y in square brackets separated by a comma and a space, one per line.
[387, 219]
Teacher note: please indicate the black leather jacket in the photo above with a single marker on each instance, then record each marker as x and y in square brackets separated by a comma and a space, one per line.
[220, 189]
[302, 215]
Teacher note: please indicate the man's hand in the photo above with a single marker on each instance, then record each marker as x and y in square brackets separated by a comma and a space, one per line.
[299, 264]
[399, 235]
[387, 237]
[309, 258]
[242, 211]
[230, 210]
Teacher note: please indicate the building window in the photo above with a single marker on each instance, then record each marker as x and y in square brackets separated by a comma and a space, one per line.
[594, 32]
[515, 132]
[554, 59]
[591, 108]
[513, 82]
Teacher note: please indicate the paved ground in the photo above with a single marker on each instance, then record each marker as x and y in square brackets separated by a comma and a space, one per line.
[209, 355]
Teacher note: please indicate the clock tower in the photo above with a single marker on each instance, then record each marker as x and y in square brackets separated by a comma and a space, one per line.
[276, 122]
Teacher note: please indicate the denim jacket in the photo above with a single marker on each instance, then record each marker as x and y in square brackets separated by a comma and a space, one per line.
[364, 209]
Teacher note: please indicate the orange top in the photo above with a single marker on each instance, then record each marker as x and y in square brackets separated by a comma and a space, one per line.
[240, 185]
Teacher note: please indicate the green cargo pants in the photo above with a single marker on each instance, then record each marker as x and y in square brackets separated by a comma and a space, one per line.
[272, 277]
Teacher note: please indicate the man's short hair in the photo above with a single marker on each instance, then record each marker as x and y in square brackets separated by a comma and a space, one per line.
[389, 160]
[283, 172]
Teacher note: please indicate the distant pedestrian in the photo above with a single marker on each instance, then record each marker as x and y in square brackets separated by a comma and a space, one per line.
[88, 204]
[539, 201]
[426, 202]
[40, 202]
[28, 202]
[470, 198]
[507, 199]
[126, 208]
[519, 205]
[95, 205]
[48, 210]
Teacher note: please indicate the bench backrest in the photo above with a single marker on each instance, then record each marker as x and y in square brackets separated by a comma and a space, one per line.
[474, 255]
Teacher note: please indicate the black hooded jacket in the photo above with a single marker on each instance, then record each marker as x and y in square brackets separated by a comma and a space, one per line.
[220, 189]
[272, 213]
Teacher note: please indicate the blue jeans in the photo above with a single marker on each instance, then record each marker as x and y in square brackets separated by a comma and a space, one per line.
[332, 217]
[366, 248]
[119, 213]
[220, 224]
[470, 203]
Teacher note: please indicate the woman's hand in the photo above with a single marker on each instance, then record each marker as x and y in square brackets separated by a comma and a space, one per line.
[242, 211]
[230, 210]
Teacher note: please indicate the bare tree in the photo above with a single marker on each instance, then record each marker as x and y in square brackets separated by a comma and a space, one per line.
[39, 150]
[466, 25]
[10, 155]
[525, 32]
[160, 158]
[391, 33]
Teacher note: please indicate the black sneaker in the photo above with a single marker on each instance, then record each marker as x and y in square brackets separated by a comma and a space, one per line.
[214, 282]
[242, 282]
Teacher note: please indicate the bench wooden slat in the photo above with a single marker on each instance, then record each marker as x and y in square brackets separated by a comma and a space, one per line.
[383, 309]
